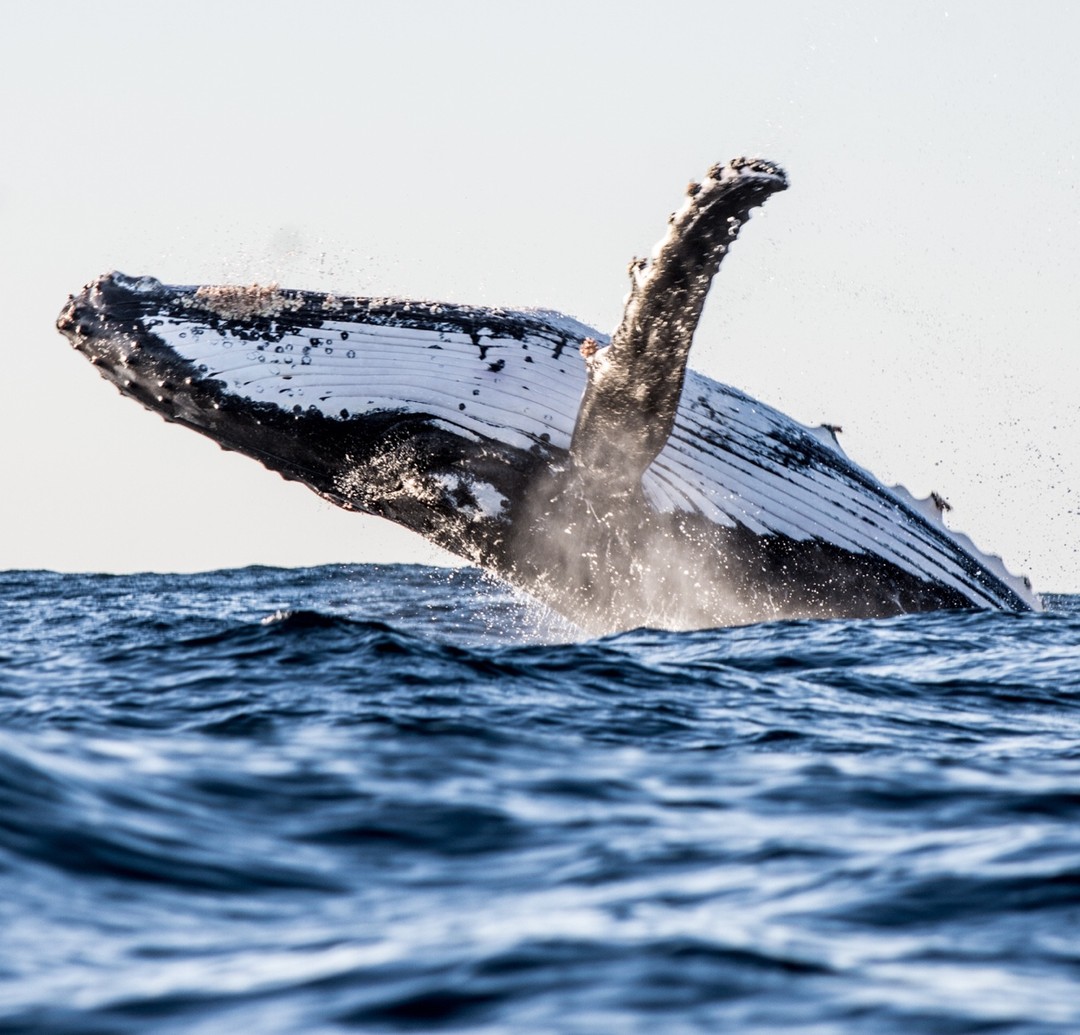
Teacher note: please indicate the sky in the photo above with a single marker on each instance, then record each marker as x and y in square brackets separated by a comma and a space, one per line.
[916, 284]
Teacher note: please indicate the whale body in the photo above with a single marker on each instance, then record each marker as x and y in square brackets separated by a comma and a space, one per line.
[597, 474]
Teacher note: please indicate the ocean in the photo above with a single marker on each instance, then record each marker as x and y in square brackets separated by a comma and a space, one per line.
[402, 799]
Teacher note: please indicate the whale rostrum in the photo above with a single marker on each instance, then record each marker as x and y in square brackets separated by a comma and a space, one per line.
[599, 475]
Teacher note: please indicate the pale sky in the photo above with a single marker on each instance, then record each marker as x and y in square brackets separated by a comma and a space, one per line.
[916, 284]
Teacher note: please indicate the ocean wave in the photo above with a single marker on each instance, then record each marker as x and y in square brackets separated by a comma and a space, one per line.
[294, 802]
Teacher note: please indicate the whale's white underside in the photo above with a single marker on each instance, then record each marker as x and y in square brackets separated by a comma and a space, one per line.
[730, 458]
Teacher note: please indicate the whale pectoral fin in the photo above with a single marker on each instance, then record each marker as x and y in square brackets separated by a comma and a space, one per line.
[628, 408]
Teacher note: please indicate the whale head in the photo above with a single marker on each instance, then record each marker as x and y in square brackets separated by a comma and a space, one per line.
[382, 406]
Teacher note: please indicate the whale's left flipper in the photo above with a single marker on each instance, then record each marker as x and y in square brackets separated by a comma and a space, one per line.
[635, 383]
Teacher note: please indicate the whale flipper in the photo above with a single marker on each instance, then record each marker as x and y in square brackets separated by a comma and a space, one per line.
[483, 430]
[635, 382]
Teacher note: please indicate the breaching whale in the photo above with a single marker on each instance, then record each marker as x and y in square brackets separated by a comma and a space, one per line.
[597, 474]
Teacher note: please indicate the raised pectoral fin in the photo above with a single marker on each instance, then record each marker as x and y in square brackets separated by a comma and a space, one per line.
[634, 384]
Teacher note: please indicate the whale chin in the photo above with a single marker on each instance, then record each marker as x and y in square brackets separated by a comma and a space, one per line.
[598, 474]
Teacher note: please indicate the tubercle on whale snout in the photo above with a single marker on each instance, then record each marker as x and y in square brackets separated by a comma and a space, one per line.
[74, 320]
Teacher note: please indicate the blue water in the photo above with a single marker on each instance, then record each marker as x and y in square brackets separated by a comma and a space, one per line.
[400, 799]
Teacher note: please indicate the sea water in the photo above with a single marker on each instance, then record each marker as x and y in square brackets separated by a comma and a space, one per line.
[395, 798]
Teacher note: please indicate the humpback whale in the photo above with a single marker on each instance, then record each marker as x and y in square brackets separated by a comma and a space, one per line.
[596, 473]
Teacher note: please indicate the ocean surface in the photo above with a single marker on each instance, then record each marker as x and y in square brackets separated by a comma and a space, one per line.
[397, 798]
